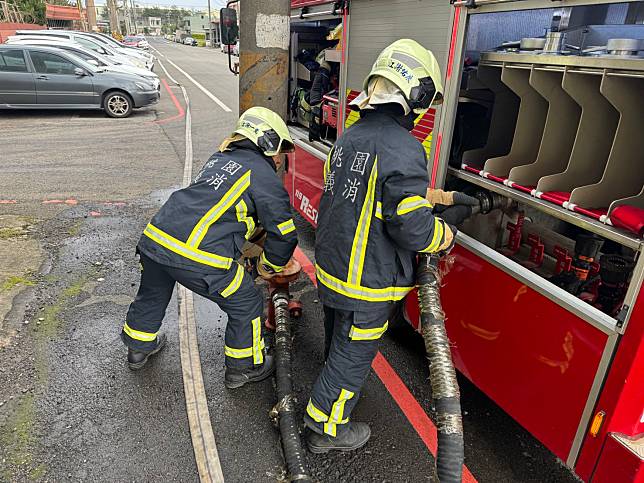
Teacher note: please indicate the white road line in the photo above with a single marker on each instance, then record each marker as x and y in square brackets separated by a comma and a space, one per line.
[203, 438]
[199, 86]
[170, 77]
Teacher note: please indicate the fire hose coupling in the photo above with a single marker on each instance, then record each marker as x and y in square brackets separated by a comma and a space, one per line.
[280, 299]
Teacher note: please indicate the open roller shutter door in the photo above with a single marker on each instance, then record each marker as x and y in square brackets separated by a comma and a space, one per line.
[374, 24]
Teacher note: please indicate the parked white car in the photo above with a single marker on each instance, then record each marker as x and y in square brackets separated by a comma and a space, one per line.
[189, 41]
[115, 44]
[89, 56]
[89, 42]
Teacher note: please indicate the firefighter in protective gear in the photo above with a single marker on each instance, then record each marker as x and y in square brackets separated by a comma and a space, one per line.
[373, 220]
[196, 238]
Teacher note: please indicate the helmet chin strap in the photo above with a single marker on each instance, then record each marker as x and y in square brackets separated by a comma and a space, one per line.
[408, 120]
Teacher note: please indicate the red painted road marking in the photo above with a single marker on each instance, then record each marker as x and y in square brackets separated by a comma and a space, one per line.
[405, 400]
[70, 201]
[412, 410]
[8, 202]
[307, 266]
[182, 112]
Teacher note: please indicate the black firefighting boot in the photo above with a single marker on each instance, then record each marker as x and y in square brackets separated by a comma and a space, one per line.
[137, 359]
[234, 378]
[353, 436]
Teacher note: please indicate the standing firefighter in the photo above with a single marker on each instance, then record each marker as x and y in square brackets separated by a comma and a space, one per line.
[197, 236]
[374, 218]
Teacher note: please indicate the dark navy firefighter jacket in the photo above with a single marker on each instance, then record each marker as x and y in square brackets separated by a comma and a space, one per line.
[203, 227]
[373, 216]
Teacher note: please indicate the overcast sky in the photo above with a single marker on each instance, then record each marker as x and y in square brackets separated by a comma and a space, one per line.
[194, 4]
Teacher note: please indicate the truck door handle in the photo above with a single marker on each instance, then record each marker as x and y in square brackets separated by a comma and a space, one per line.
[42, 77]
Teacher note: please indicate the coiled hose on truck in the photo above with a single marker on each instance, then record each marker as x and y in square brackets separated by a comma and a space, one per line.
[445, 392]
[284, 411]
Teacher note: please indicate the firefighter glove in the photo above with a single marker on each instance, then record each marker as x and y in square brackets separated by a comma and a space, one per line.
[449, 239]
[449, 198]
[453, 215]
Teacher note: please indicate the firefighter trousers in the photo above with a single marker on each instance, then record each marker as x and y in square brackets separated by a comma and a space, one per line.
[233, 291]
[352, 345]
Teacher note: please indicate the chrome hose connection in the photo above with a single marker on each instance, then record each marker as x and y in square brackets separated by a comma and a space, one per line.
[283, 413]
[445, 392]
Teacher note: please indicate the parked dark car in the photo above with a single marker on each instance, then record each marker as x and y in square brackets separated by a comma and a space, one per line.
[39, 77]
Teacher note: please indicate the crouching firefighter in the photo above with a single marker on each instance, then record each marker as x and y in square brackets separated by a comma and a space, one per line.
[196, 238]
[373, 220]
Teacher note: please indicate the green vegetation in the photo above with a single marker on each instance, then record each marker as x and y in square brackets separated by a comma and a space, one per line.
[17, 435]
[49, 326]
[14, 280]
[7, 233]
[74, 230]
[200, 38]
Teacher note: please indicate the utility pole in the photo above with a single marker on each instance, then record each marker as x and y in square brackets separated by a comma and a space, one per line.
[133, 14]
[91, 15]
[114, 17]
[212, 41]
[263, 54]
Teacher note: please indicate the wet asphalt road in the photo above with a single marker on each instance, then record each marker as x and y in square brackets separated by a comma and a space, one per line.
[71, 411]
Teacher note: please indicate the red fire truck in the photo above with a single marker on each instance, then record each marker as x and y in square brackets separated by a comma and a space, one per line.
[543, 120]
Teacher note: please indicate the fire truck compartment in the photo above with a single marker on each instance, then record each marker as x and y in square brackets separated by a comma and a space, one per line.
[548, 128]
[553, 127]
[316, 43]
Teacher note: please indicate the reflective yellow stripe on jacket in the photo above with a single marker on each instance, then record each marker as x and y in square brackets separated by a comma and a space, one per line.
[181, 248]
[265, 261]
[439, 231]
[361, 237]
[378, 213]
[214, 213]
[327, 164]
[286, 227]
[355, 291]
[412, 203]
[242, 216]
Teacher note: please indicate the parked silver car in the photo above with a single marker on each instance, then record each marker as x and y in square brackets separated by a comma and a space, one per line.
[38, 77]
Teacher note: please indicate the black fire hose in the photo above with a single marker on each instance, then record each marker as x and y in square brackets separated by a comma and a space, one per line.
[445, 392]
[284, 411]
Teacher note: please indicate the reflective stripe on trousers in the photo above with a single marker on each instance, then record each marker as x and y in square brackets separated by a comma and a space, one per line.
[236, 282]
[139, 335]
[256, 351]
[337, 413]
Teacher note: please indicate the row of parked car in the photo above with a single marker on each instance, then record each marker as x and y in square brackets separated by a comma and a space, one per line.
[182, 40]
[234, 49]
[137, 40]
[64, 69]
